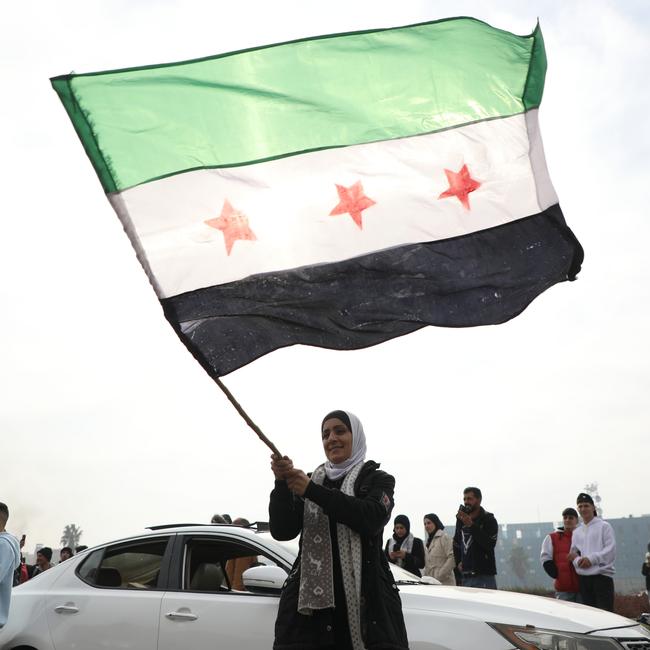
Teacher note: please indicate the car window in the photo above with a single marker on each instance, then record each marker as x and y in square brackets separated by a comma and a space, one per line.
[134, 565]
[217, 564]
[88, 569]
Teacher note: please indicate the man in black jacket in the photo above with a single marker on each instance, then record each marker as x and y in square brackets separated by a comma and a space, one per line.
[474, 542]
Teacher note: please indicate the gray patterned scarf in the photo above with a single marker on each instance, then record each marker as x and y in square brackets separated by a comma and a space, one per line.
[316, 574]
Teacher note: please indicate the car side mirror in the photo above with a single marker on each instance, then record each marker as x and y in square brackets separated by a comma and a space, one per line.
[264, 579]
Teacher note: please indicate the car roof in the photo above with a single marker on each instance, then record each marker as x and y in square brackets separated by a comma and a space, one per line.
[174, 529]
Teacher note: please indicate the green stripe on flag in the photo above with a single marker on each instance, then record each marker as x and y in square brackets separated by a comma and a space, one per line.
[145, 123]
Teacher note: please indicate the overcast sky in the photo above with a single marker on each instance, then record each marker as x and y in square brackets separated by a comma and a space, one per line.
[106, 421]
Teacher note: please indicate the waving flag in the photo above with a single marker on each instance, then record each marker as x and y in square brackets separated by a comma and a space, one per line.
[336, 191]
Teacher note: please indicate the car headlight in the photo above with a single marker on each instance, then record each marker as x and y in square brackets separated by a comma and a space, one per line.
[533, 638]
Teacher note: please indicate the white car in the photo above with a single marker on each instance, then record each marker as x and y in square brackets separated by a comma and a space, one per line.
[168, 589]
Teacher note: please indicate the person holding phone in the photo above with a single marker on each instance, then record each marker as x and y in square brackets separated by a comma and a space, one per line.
[403, 548]
[474, 542]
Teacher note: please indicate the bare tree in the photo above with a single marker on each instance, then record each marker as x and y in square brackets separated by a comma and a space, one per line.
[518, 560]
[71, 536]
[592, 490]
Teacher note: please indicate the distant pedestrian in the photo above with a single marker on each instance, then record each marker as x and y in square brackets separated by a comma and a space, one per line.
[645, 570]
[474, 542]
[43, 561]
[403, 548]
[593, 551]
[439, 560]
[65, 554]
[217, 519]
[9, 562]
[235, 567]
[555, 558]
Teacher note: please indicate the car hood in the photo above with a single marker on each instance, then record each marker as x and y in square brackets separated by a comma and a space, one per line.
[511, 607]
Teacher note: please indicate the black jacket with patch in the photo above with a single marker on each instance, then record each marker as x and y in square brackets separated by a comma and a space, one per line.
[382, 622]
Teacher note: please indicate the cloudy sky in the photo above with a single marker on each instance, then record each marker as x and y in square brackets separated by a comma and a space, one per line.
[107, 422]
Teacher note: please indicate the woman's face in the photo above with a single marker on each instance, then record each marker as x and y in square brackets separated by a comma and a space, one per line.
[337, 440]
[400, 530]
[429, 526]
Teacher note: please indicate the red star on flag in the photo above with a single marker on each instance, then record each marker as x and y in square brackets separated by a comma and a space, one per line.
[352, 201]
[460, 185]
[233, 224]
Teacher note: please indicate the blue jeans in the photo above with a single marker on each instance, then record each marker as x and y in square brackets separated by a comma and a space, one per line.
[571, 596]
[480, 581]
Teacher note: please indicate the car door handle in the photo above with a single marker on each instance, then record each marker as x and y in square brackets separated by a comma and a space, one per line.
[66, 609]
[181, 616]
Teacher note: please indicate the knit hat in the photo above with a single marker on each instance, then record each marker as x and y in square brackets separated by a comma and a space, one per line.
[46, 551]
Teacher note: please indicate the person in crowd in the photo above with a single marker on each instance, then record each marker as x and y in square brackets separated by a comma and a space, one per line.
[645, 570]
[593, 552]
[217, 519]
[403, 548]
[474, 542]
[227, 518]
[9, 562]
[340, 593]
[439, 560]
[43, 561]
[236, 566]
[554, 556]
[20, 574]
[65, 554]
[78, 549]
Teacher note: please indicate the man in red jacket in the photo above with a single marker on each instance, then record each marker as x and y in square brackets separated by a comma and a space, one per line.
[555, 549]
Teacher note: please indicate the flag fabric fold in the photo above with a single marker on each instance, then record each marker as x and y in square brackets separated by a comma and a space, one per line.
[336, 191]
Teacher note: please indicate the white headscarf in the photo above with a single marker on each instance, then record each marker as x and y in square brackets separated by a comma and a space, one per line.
[336, 471]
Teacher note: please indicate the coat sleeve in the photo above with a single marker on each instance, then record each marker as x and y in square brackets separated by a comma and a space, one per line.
[414, 561]
[456, 544]
[285, 512]
[447, 569]
[366, 514]
[486, 537]
[546, 553]
[386, 551]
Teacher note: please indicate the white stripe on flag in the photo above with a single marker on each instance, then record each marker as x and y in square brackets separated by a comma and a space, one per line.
[288, 203]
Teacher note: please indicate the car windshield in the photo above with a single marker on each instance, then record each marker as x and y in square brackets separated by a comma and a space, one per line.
[401, 576]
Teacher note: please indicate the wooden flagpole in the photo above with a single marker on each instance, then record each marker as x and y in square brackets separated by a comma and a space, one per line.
[247, 418]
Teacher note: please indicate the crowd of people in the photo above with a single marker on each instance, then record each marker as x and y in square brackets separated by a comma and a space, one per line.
[467, 559]
[340, 511]
[579, 557]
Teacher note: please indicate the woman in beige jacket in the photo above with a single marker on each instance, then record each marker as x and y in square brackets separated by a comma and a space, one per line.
[439, 552]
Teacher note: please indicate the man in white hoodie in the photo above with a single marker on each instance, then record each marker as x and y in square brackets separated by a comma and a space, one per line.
[9, 561]
[593, 551]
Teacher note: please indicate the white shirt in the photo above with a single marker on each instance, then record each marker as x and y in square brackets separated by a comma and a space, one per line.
[595, 541]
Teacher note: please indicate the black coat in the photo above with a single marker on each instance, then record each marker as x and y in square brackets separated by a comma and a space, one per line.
[382, 622]
[484, 538]
[414, 561]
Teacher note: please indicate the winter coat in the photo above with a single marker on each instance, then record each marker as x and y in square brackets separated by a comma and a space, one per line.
[382, 622]
[484, 532]
[439, 558]
[414, 561]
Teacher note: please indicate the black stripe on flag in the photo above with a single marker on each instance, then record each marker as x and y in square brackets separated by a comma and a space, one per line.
[483, 278]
